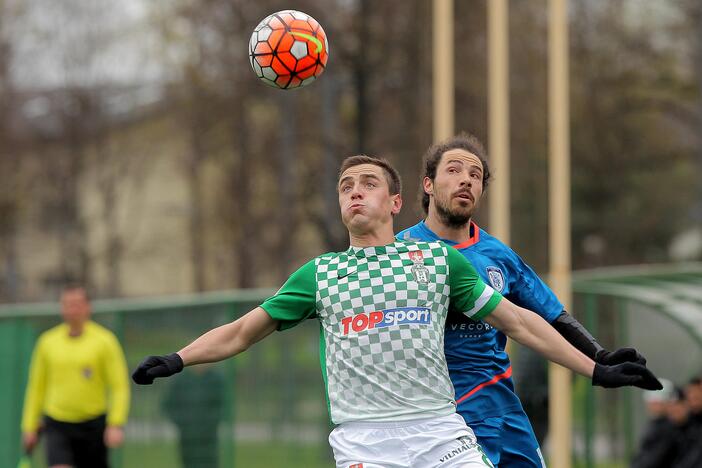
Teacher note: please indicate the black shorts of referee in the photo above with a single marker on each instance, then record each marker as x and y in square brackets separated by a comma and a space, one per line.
[80, 445]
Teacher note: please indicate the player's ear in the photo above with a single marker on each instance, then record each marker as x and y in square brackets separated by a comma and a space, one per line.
[428, 186]
[396, 204]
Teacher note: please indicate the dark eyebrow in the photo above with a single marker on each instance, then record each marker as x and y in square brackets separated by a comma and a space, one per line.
[369, 175]
[344, 180]
[458, 161]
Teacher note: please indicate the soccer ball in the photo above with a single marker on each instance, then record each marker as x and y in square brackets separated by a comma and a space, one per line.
[288, 49]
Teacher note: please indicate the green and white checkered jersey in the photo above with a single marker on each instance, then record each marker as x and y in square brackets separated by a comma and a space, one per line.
[382, 312]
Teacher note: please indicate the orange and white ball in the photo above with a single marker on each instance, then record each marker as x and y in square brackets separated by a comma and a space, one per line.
[288, 49]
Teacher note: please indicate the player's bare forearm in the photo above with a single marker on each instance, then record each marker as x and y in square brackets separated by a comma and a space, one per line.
[230, 339]
[532, 331]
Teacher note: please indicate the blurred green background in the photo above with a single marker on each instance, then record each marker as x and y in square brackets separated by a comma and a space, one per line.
[269, 404]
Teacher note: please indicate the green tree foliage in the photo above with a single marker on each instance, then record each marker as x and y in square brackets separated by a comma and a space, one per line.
[633, 99]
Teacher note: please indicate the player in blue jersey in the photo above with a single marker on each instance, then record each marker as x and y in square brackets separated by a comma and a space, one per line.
[456, 174]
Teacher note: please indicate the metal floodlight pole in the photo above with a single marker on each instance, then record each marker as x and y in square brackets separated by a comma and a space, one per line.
[498, 121]
[560, 417]
[443, 69]
[498, 117]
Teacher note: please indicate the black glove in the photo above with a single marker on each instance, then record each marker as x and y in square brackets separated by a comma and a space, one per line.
[157, 366]
[625, 374]
[610, 358]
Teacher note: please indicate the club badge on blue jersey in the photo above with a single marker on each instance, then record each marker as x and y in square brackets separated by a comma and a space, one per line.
[496, 277]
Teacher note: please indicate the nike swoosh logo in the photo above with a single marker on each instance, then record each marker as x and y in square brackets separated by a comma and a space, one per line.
[340, 276]
[309, 37]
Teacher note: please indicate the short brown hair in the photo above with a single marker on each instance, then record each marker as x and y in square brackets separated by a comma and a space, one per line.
[391, 174]
[75, 286]
[432, 157]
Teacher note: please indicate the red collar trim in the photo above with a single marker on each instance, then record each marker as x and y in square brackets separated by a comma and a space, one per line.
[474, 238]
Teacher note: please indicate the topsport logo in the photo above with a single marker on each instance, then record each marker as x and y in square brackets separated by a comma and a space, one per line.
[386, 318]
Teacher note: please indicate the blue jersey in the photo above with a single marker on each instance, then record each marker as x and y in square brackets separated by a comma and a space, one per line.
[475, 352]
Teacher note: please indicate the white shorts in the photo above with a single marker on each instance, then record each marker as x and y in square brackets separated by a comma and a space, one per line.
[445, 442]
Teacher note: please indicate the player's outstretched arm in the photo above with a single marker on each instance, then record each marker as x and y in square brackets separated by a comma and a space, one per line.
[215, 345]
[578, 336]
[531, 330]
[230, 339]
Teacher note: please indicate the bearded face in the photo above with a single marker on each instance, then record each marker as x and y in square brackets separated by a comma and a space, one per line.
[456, 190]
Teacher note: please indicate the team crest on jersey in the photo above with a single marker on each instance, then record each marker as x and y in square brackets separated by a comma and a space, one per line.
[497, 279]
[419, 271]
[416, 256]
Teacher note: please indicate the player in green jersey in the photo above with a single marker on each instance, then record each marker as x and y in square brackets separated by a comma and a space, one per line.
[382, 306]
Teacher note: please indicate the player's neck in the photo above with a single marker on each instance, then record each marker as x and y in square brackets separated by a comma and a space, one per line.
[458, 234]
[76, 329]
[374, 238]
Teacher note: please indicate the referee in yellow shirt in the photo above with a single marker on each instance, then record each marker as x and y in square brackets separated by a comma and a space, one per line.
[78, 391]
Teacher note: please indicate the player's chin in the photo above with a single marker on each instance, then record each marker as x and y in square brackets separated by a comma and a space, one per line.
[354, 220]
[463, 209]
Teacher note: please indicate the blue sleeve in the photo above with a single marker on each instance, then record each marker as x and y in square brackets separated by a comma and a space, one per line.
[530, 292]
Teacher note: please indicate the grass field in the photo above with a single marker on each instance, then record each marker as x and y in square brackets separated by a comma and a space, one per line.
[245, 455]
[261, 455]
[249, 455]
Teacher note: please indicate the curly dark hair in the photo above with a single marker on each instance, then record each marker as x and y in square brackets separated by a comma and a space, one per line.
[432, 158]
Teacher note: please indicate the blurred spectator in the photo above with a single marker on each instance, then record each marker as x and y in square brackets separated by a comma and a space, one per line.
[660, 440]
[691, 454]
[78, 382]
[693, 394]
[194, 404]
[678, 411]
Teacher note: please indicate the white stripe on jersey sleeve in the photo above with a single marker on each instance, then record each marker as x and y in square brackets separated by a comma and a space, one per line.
[481, 301]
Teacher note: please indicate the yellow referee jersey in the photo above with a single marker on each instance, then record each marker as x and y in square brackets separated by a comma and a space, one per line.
[74, 379]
